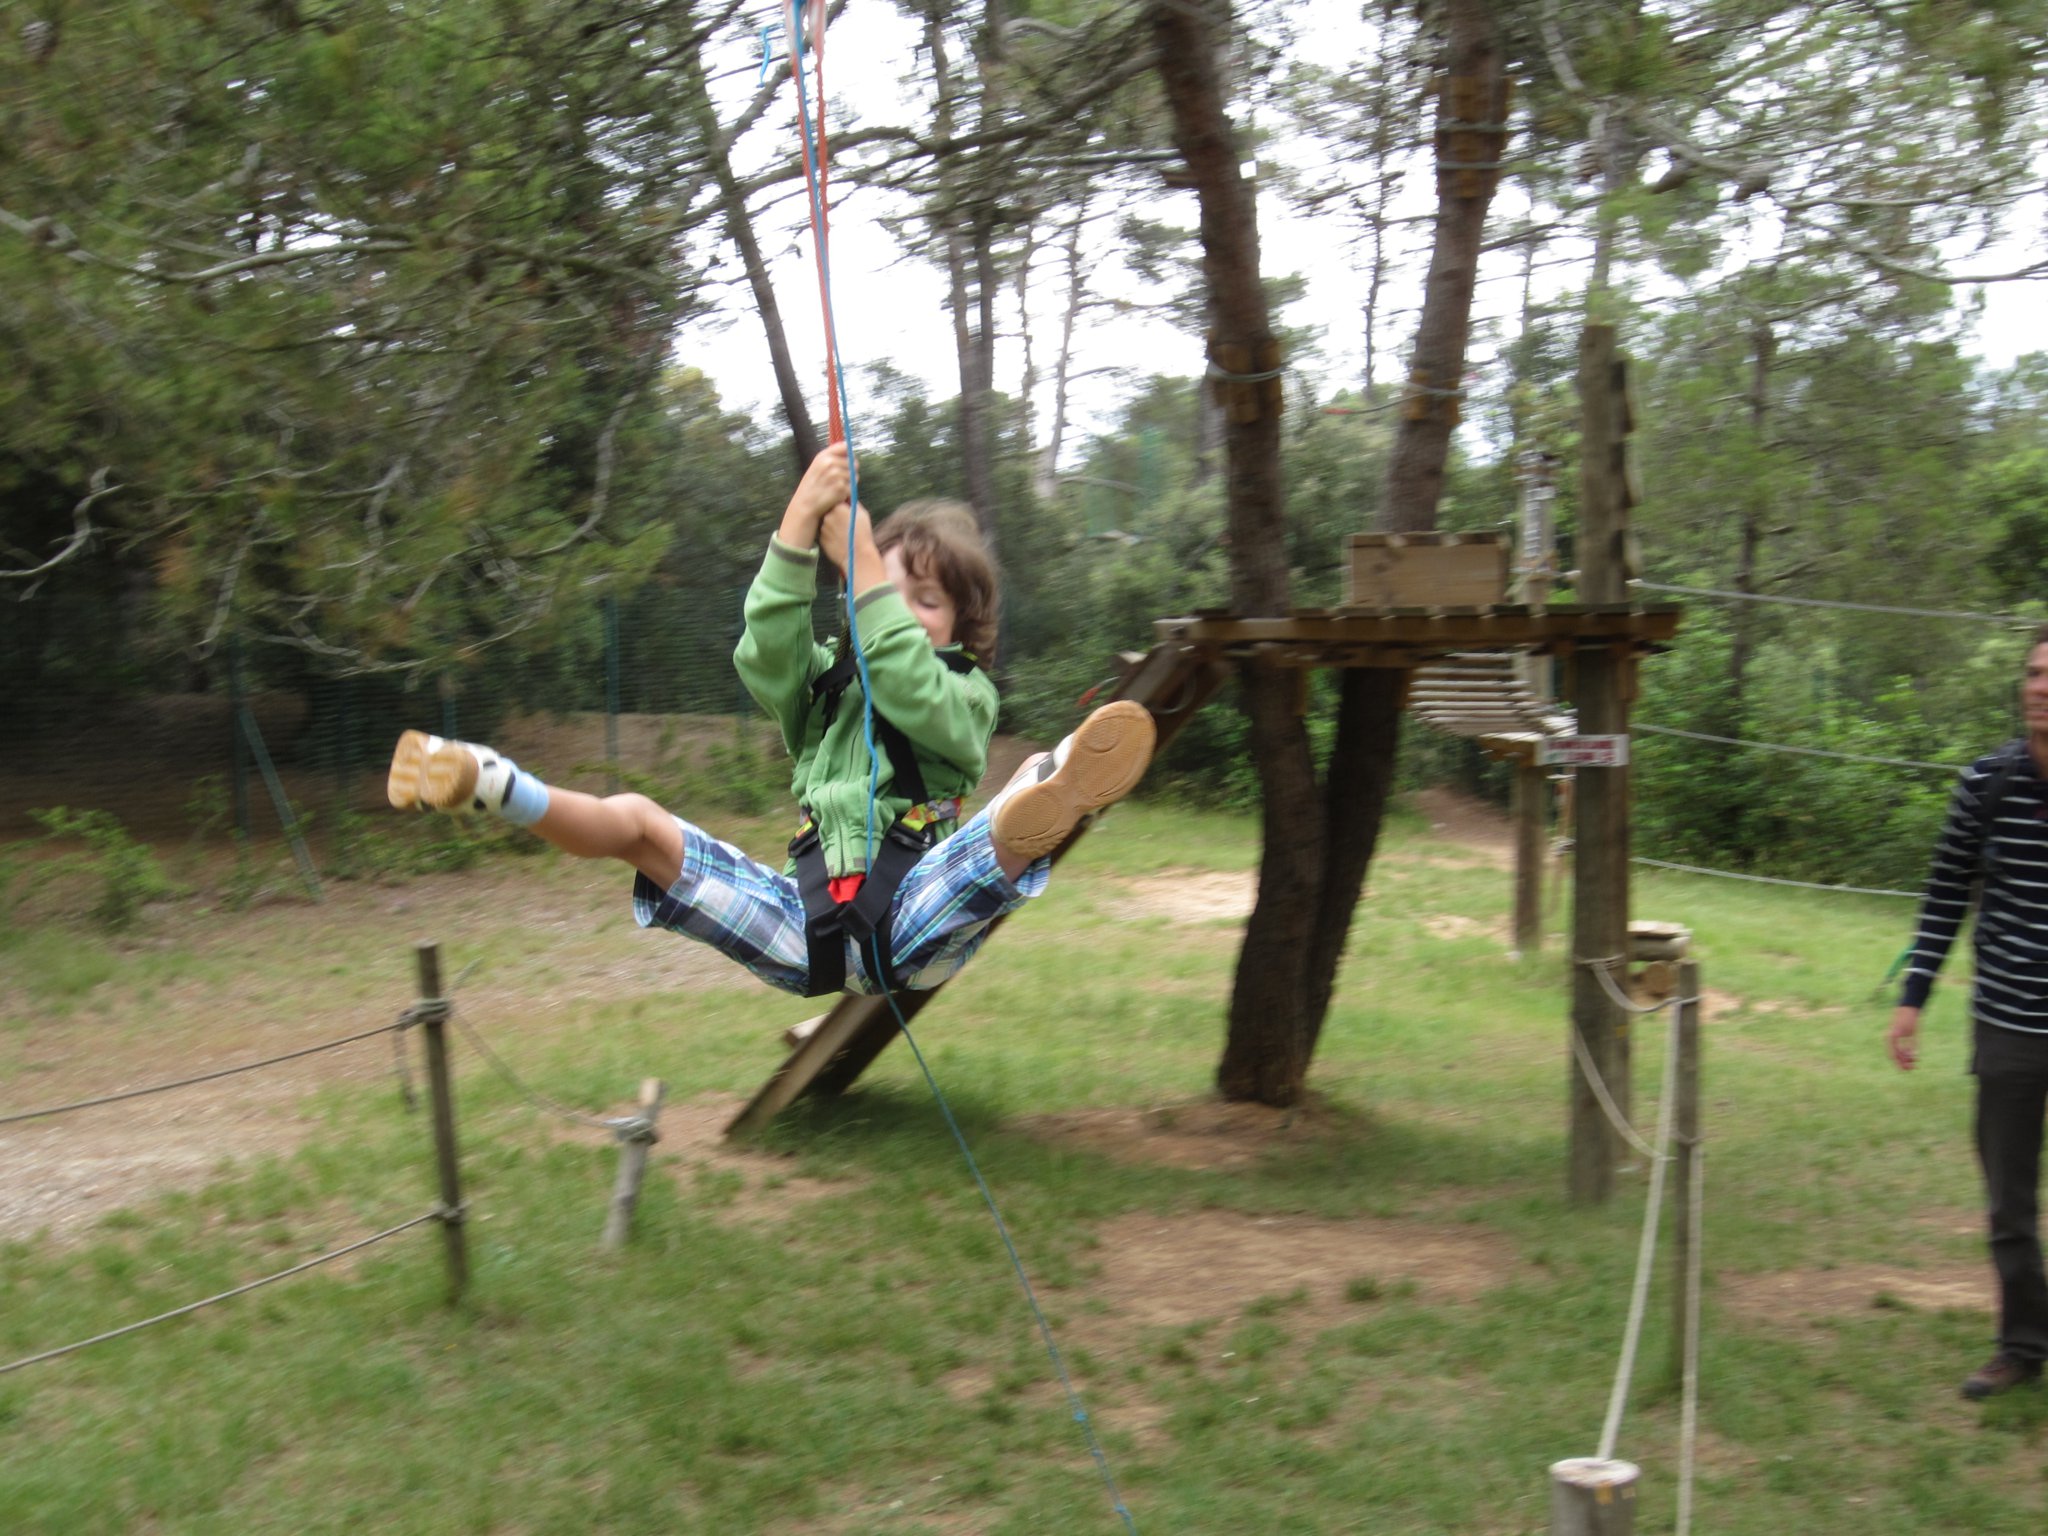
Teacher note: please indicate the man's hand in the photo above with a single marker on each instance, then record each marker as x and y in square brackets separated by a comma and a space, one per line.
[823, 487]
[1902, 1039]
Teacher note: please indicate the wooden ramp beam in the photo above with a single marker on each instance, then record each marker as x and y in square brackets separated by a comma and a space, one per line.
[1172, 682]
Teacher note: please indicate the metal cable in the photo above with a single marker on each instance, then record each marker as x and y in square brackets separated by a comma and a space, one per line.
[539, 1100]
[405, 1020]
[1772, 746]
[1646, 1250]
[439, 1213]
[1821, 602]
[1803, 885]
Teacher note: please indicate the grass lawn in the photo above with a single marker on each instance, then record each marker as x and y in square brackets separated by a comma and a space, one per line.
[1375, 1315]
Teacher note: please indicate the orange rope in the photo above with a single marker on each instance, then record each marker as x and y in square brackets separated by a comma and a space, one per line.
[821, 220]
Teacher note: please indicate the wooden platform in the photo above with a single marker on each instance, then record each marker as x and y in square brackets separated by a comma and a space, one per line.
[1409, 637]
[1179, 675]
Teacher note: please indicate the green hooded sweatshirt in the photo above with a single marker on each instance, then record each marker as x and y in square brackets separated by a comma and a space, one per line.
[947, 716]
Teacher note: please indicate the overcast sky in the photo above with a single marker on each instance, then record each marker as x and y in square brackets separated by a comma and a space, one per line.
[891, 308]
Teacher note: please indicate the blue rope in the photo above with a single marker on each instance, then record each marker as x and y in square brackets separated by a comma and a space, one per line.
[1059, 1366]
[1052, 1349]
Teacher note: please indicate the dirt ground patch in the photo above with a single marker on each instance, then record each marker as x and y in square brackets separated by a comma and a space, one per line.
[1469, 824]
[1188, 895]
[1806, 1297]
[693, 1142]
[1207, 1134]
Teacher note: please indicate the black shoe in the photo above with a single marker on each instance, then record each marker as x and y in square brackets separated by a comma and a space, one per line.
[2001, 1373]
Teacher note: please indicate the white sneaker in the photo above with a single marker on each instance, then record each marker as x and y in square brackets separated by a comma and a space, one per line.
[1095, 767]
[428, 773]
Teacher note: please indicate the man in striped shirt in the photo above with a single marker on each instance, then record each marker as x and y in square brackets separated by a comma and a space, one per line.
[1996, 839]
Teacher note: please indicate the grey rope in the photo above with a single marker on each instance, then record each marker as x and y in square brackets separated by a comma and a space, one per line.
[1245, 378]
[206, 1077]
[1603, 968]
[439, 1213]
[1772, 746]
[1821, 602]
[1608, 1107]
[1803, 885]
[619, 1125]
[1645, 1252]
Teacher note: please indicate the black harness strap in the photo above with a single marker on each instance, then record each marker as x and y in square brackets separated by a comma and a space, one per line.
[827, 923]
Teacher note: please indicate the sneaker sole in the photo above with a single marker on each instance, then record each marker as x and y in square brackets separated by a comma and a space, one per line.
[429, 776]
[1110, 753]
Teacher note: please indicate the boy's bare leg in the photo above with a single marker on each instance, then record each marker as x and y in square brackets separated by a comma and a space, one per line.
[630, 828]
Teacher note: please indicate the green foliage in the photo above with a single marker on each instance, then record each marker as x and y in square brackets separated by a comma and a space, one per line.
[112, 876]
[746, 774]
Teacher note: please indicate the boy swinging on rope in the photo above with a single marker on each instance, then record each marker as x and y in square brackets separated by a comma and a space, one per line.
[926, 603]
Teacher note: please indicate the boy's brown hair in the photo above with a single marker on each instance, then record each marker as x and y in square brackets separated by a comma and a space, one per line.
[942, 542]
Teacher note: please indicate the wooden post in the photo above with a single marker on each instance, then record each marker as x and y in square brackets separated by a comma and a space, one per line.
[433, 1016]
[1600, 884]
[634, 1142]
[1530, 800]
[1531, 791]
[1685, 1130]
[1592, 1497]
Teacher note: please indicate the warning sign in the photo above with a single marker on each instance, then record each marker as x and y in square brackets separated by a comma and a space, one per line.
[1584, 751]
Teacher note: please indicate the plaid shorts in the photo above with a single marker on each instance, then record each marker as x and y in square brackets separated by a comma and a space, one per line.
[755, 914]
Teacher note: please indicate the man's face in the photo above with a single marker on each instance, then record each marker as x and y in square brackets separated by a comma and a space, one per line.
[2034, 691]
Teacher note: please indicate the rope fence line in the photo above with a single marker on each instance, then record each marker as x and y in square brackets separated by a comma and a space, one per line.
[622, 1126]
[1803, 885]
[405, 1021]
[1772, 746]
[439, 1213]
[2016, 621]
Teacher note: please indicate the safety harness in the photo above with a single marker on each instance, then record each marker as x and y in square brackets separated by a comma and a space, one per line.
[829, 923]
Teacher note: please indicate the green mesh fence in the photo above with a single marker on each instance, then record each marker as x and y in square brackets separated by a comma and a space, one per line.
[174, 747]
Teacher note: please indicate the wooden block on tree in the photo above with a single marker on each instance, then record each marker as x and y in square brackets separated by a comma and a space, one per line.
[1425, 570]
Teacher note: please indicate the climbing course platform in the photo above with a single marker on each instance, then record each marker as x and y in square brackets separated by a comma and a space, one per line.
[1192, 658]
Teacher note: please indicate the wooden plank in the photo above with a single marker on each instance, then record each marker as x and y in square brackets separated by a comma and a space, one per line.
[1391, 570]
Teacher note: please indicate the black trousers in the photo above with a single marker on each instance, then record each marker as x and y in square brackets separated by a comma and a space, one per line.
[2012, 1091]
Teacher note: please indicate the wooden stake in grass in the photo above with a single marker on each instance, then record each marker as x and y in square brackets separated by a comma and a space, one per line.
[1685, 1131]
[432, 1013]
[635, 1138]
[1590, 1496]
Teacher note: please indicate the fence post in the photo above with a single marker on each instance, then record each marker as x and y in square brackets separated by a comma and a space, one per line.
[1593, 1497]
[433, 1016]
[1685, 1129]
[635, 1139]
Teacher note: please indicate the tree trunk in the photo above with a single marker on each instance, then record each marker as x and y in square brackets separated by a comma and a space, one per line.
[739, 224]
[1056, 429]
[1755, 509]
[965, 227]
[1319, 838]
[1266, 1054]
[1474, 91]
